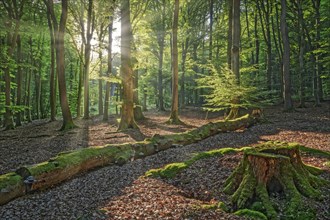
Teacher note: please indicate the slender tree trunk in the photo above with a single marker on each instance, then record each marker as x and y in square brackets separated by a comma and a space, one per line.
[301, 56]
[183, 68]
[52, 96]
[257, 44]
[19, 81]
[100, 85]
[160, 73]
[230, 32]
[109, 71]
[236, 27]
[127, 112]
[316, 5]
[174, 117]
[80, 83]
[138, 115]
[248, 31]
[89, 34]
[211, 30]
[288, 105]
[161, 39]
[59, 30]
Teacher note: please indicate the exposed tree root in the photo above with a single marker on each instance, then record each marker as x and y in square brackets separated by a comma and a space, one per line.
[274, 168]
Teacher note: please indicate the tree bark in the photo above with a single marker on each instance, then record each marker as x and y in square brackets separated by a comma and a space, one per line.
[19, 81]
[88, 38]
[288, 105]
[272, 168]
[174, 117]
[59, 29]
[230, 32]
[127, 112]
[109, 71]
[52, 84]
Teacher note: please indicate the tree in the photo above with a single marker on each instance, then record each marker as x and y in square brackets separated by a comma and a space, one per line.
[87, 41]
[15, 13]
[236, 28]
[288, 105]
[174, 117]
[107, 85]
[127, 112]
[59, 29]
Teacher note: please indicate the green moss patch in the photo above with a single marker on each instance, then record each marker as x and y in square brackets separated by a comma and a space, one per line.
[314, 151]
[251, 214]
[171, 170]
[9, 179]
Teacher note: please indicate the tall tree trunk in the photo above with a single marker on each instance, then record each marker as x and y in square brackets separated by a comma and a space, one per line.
[89, 35]
[80, 83]
[174, 117]
[100, 84]
[264, 14]
[257, 44]
[109, 71]
[230, 32]
[185, 45]
[160, 40]
[59, 30]
[248, 31]
[52, 84]
[138, 115]
[211, 30]
[301, 56]
[318, 86]
[127, 112]
[288, 105]
[236, 27]
[19, 81]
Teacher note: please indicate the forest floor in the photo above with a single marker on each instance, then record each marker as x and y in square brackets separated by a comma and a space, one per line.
[122, 191]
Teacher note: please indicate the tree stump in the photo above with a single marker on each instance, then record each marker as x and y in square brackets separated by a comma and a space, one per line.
[268, 170]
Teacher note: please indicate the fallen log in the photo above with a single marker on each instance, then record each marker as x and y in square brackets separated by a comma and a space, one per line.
[67, 164]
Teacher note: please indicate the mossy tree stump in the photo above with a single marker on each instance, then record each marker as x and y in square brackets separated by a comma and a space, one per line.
[271, 170]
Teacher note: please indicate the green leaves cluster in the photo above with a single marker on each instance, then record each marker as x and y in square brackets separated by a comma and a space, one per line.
[223, 91]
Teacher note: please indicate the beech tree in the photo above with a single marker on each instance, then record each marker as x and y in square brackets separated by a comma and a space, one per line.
[174, 117]
[288, 105]
[127, 112]
[59, 29]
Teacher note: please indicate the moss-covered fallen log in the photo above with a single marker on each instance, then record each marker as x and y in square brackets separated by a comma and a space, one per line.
[68, 164]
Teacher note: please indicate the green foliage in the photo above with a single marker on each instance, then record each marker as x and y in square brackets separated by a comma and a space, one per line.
[224, 91]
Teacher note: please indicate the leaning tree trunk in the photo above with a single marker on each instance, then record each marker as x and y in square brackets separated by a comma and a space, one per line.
[274, 169]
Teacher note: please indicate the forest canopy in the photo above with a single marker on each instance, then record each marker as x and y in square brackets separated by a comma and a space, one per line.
[98, 57]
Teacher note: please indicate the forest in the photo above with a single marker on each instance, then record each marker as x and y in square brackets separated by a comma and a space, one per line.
[164, 109]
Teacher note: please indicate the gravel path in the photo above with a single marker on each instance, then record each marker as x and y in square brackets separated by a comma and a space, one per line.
[83, 195]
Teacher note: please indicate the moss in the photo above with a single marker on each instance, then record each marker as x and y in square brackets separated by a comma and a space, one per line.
[77, 157]
[251, 214]
[214, 206]
[171, 170]
[327, 163]
[309, 150]
[9, 179]
[264, 198]
[313, 170]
